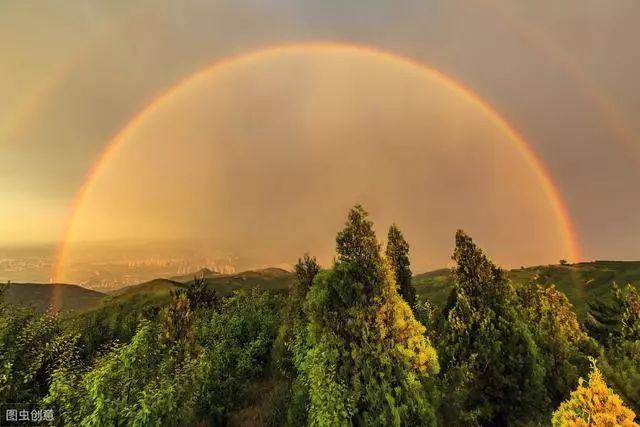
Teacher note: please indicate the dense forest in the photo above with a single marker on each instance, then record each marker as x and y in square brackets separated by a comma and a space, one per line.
[352, 343]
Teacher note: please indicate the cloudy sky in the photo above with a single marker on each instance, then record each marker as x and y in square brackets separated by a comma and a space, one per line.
[237, 158]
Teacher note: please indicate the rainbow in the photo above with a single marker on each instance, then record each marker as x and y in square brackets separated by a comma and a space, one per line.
[549, 187]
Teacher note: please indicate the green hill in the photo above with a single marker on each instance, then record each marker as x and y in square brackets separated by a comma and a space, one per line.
[137, 297]
[273, 279]
[41, 296]
[156, 292]
[581, 282]
[203, 272]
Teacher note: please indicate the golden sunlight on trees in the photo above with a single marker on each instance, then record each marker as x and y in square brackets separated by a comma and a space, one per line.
[594, 404]
[398, 256]
[367, 354]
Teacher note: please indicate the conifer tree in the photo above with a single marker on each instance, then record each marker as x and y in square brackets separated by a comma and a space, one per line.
[562, 343]
[398, 257]
[492, 370]
[604, 318]
[367, 353]
[593, 404]
[294, 321]
[621, 361]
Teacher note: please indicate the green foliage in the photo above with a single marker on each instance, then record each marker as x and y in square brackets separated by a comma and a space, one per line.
[238, 340]
[630, 318]
[582, 283]
[291, 335]
[199, 294]
[351, 346]
[621, 367]
[564, 347]
[621, 338]
[187, 367]
[604, 319]
[492, 370]
[32, 346]
[294, 321]
[366, 353]
[397, 254]
[431, 317]
[133, 384]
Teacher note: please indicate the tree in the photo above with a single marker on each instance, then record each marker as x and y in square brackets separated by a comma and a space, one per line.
[294, 319]
[492, 369]
[177, 327]
[199, 294]
[237, 342]
[431, 316]
[137, 383]
[618, 323]
[306, 270]
[32, 346]
[604, 320]
[593, 404]
[630, 318]
[562, 343]
[367, 354]
[398, 257]
[290, 399]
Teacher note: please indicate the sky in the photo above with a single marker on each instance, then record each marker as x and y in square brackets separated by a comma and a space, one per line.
[267, 155]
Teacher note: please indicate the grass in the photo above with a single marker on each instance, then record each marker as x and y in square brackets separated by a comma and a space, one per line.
[581, 283]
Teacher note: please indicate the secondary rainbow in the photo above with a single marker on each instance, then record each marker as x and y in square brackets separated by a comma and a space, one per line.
[549, 187]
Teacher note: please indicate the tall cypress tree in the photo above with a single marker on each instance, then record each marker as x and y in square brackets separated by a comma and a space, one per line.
[367, 354]
[492, 370]
[398, 256]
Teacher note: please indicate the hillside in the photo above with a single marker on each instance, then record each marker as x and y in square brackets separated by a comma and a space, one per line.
[203, 272]
[40, 296]
[581, 282]
[136, 297]
[157, 292]
[273, 279]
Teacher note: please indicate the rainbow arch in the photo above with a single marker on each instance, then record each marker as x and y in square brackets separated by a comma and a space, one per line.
[568, 230]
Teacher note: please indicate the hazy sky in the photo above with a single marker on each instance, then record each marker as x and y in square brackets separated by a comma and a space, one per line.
[258, 147]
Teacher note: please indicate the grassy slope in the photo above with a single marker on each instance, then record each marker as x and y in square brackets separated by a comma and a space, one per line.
[154, 292]
[580, 282]
[273, 279]
[40, 296]
[157, 292]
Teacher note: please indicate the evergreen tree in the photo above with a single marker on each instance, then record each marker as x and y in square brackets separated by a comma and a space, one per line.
[593, 404]
[294, 319]
[492, 370]
[367, 354]
[290, 399]
[621, 356]
[562, 343]
[199, 294]
[604, 318]
[398, 257]
[630, 318]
